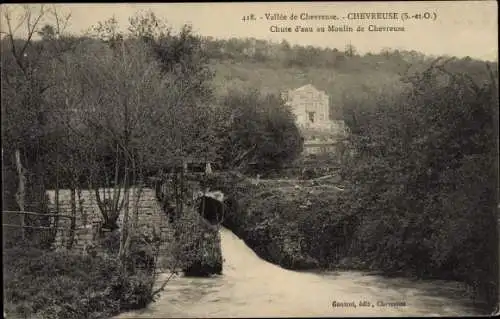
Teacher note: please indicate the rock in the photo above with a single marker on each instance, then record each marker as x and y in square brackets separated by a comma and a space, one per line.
[198, 269]
[305, 263]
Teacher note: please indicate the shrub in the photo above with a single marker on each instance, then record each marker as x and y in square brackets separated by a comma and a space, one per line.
[143, 252]
[197, 249]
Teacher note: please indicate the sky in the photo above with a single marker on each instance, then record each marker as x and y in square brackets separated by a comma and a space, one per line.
[461, 28]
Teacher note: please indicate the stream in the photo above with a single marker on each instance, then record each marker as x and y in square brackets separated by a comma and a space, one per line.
[252, 287]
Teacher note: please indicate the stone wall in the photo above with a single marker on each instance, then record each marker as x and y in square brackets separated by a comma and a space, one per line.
[149, 216]
[189, 243]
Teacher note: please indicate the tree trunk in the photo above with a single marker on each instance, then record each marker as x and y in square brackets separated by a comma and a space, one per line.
[21, 193]
[137, 201]
[117, 206]
[124, 238]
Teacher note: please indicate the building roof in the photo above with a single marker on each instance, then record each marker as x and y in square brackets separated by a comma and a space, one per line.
[306, 87]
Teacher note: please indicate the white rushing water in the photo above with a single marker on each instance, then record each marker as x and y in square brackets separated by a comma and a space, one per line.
[252, 287]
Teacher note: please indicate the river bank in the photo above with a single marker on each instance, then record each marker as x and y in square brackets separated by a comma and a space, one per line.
[64, 284]
[308, 225]
[296, 224]
[95, 283]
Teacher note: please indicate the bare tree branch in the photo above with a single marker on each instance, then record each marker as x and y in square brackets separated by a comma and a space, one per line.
[32, 28]
[13, 43]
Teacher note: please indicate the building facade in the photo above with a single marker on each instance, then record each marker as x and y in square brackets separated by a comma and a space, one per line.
[312, 112]
[310, 106]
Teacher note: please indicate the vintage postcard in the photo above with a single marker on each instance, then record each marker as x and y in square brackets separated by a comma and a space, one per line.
[225, 160]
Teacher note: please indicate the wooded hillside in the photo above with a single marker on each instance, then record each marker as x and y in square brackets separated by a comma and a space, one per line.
[342, 73]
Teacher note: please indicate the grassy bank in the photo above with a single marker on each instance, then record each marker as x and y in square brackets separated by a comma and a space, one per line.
[41, 284]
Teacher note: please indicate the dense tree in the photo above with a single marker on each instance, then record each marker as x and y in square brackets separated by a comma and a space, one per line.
[350, 50]
[26, 78]
[259, 130]
[423, 180]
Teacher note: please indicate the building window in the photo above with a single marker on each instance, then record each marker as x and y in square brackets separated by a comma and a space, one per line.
[284, 97]
[311, 117]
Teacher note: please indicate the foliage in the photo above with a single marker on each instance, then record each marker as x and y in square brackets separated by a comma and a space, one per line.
[186, 119]
[147, 85]
[421, 184]
[423, 181]
[65, 285]
[26, 123]
[277, 222]
[272, 78]
[143, 254]
[197, 248]
[286, 67]
[100, 112]
[258, 130]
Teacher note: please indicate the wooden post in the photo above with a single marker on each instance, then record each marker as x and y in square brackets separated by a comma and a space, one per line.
[83, 213]
[182, 194]
[73, 217]
[208, 169]
[56, 196]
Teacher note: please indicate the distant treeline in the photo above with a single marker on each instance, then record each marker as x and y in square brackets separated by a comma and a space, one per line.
[345, 59]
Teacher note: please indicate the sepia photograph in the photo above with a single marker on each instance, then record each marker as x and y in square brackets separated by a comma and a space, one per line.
[250, 159]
